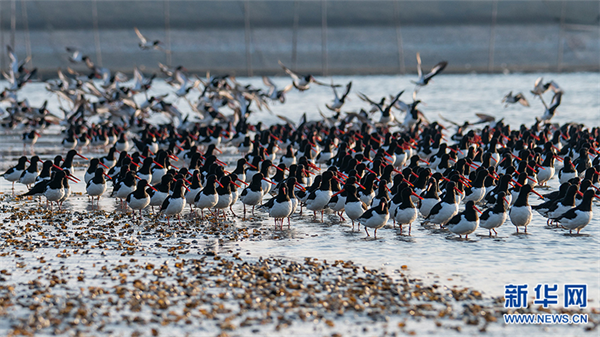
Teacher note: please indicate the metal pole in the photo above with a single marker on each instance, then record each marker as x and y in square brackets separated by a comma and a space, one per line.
[493, 36]
[13, 22]
[26, 25]
[399, 43]
[248, 37]
[96, 33]
[295, 36]
[324, 60]
[168, 32]
[1, 39]
[561, 36]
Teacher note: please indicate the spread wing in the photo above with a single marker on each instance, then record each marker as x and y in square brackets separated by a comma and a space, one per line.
[140, 36]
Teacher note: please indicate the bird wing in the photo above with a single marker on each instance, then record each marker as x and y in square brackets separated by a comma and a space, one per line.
[140, 36]
[419, 69]
[287, 120]
[267, 81]
[436, 70]
[521, 99]
[348, 87]
[447, 120]
[555, 101]
[554, 86]
[289, 72]
[485, 117]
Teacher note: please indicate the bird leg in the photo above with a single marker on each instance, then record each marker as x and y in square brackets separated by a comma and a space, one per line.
[495, 232]
[322, 216]
[244, 218]
[409, 228]
[367, 231]
[375, 236]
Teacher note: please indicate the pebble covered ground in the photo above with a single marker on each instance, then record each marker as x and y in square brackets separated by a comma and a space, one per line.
[97, 272]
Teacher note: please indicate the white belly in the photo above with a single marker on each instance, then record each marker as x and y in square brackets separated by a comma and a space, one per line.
[445, 214]
[223, 201]
[405, 216]
[175, 206]
[138, 204]
[320, 201]
[354, 209]
[520, 216]
[54, 194]
[95, 190]
[464, 227]
[158, 198]
[280, 210]
[375, 221]
[494, 221]
[582, 220]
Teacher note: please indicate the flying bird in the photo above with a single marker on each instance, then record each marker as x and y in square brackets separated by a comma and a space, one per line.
[145, 44]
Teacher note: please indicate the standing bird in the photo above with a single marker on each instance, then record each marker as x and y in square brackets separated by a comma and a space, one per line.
[580, 216]
[30, 138]
[375, 217]
[520, 212]
[282, 206]
[406, 212]
[208, 197]
[55, 190]
[354, 207]
[96, 186]
[494, 217]
[253, 193]
[318, 199]
[444, 210]
[175, 203]
[139, 199]
[14, 173]
[465, 222]
[567, 172]
[30, 174]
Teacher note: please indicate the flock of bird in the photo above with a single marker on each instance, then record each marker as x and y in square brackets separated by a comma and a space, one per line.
[367, 166]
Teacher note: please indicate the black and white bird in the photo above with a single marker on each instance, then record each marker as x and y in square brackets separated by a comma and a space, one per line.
[29, 175]
[139, 199]
[580, 216]
[301, 82]
[518, 98]
[96, 186]
[175, 203]
[563, 205]
[252, 195]
[13, 174]
[430, 198]
[520, 213]
[354, 207]
[208, 197]
[338, 102]
[145, 44]
[494, 217]
[444, 210]
[375, 217]
[282, 206]
[466, 222]
[425, 78]
[406, 212]
[551, 110]
[567, 172]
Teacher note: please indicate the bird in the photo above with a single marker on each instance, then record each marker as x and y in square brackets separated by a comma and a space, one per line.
[252, 195]
[518, 98]
[354, 207]
[494, 217]
[282, 206]
[139, 199]
[425, 78]
[520, 213]
[55, 190]
[76, 55]
[406, 212]
[430, 198]
[567, 172]
[466, 222]
[375, 217]
[550, 111]
[273, 93]
[338, 102]
[444, 210]
[579, 217]
[318, 199]
[208, 197]
[145, 44]
[96, 186]
[175, 203]
[13, 174]
[29, 175]
[30, 138]
[301, 82]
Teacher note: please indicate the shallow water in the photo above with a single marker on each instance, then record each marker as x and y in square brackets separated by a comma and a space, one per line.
[543, 255]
